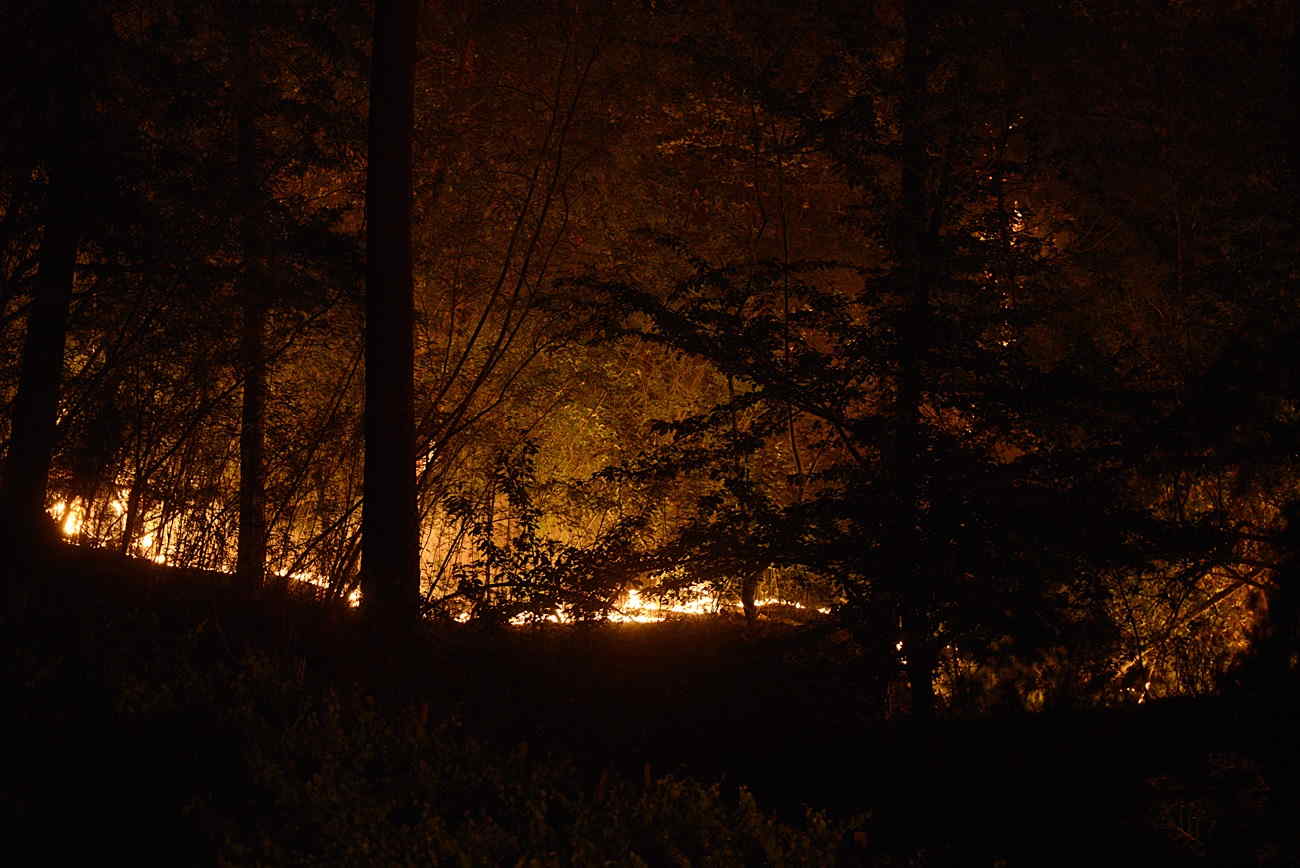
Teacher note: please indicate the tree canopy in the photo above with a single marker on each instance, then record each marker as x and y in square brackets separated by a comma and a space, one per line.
[973, 325]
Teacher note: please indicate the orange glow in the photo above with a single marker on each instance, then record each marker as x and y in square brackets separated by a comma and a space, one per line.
[636, 609]
[310, 578]
[632, 607]
[69, 516]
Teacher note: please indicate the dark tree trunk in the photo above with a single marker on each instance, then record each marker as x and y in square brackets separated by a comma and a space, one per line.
[915, 261]
[35, 409]
[1278, 647]
[919, 651]
[251, 554]
[390, 575]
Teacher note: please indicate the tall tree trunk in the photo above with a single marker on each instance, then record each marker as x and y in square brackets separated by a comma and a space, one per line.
[35, 409]
[390, 570]
[915, 250]
[251, 554]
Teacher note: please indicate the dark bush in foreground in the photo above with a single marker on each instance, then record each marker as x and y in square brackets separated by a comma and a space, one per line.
[166, 722]
[188, 753]
[338, 782]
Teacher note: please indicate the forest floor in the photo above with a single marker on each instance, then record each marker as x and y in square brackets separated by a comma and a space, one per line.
[157, 715]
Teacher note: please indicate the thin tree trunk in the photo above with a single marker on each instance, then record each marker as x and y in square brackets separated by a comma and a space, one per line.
[132, 519]
[390, 577]
[251, 557]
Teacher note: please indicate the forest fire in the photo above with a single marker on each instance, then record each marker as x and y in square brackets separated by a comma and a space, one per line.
[316, 581]
[633, 606]
[953, 342]
[72, 521]
[698, 600]
[69, 518]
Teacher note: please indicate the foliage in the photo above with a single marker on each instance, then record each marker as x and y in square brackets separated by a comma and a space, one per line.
[247, 753]
[1004, 462]
[282, 733]
[1068, 460]
[527, 575]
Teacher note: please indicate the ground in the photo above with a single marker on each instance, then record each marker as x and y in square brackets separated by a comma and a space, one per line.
[157, 713]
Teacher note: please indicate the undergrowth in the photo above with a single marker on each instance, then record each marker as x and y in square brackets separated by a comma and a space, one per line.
[162, 720]
[165, 734]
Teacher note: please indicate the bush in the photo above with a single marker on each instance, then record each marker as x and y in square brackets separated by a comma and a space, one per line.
[284, 771]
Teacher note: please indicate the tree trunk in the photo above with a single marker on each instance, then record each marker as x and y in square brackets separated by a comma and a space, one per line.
[35, 410]
[390, 576]
[131, 519]
[1279, 646]
[919, 651]
[250, 559]
[915, 253]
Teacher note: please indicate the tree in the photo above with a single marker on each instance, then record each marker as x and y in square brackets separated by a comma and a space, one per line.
[954, 451]
[390, 525]
[251, 551]
[60, 110]
[35, 407]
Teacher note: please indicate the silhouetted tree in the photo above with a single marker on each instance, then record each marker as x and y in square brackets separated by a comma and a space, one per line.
[390, 525]
[59, 114]
[251, 550]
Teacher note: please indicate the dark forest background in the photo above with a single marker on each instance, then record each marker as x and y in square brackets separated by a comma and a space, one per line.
[965, 334]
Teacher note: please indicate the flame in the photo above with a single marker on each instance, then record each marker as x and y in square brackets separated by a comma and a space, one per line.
[72, 516]
[635, 609]
[318, 581]
[69, 515]
[632, 607]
